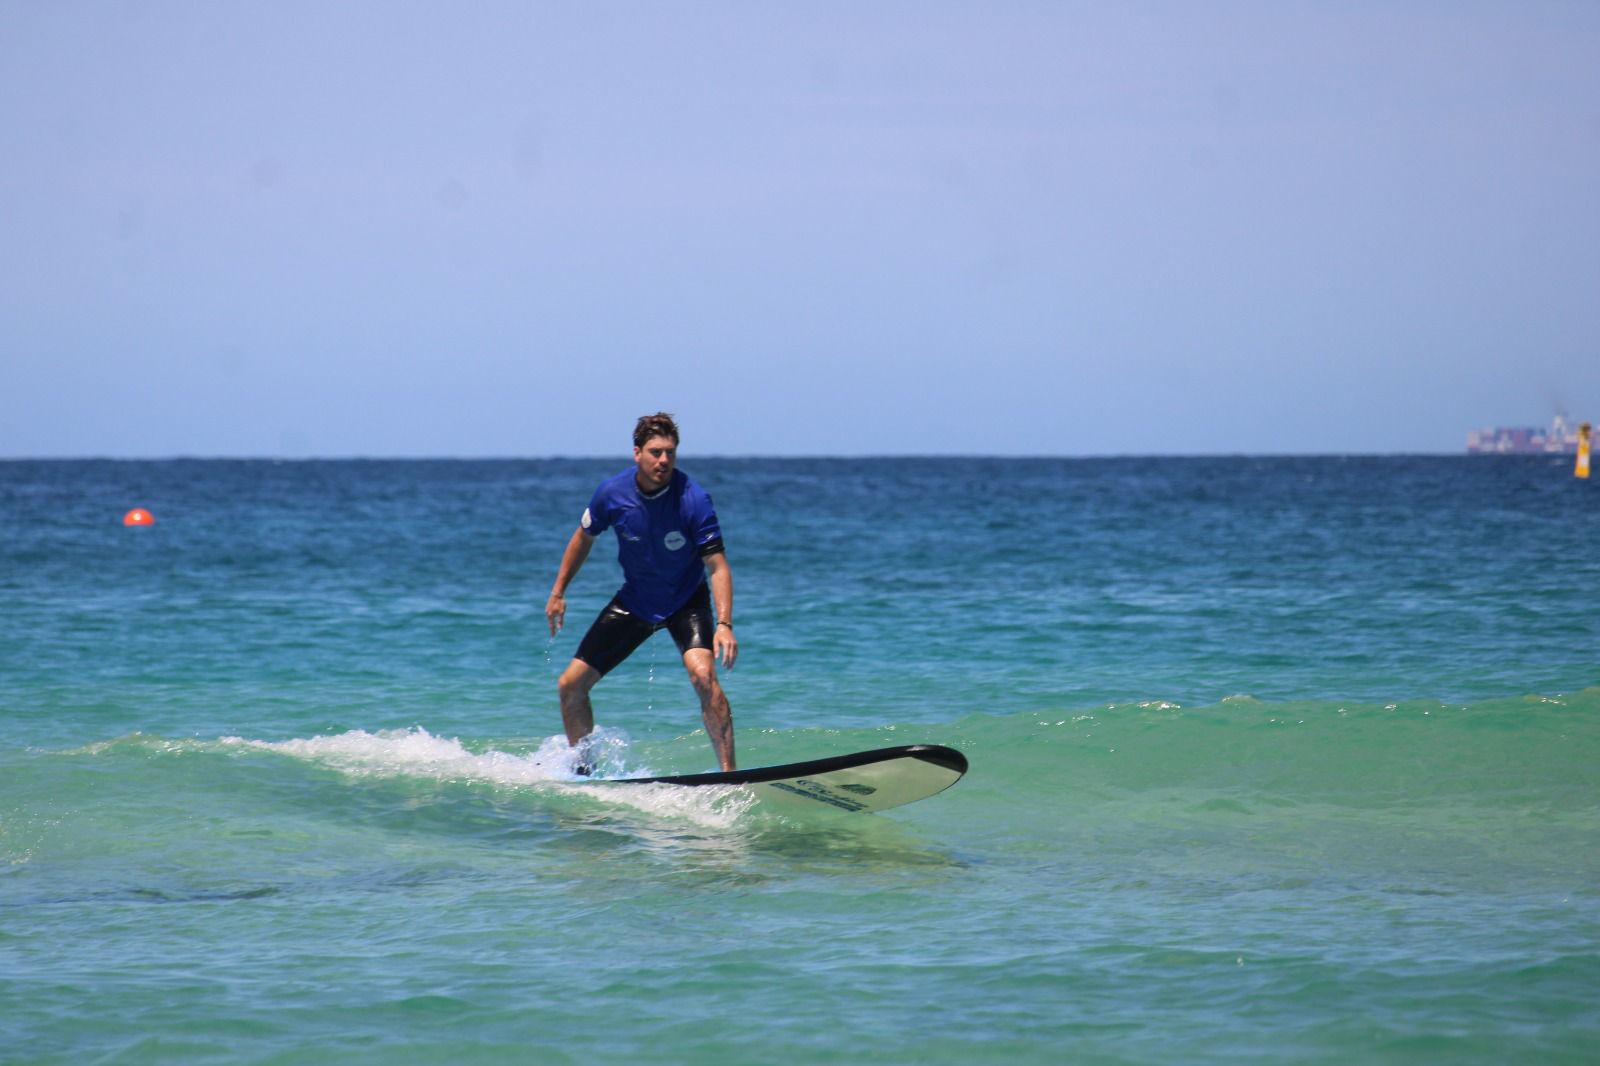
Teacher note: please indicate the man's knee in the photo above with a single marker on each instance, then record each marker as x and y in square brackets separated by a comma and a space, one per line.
[577, 679]
[702, 670]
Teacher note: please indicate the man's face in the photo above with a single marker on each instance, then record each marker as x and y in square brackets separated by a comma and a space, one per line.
[656, 459]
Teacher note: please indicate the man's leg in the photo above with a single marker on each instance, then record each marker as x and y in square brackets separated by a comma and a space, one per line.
[714, 709]
[611, 638]
[577, 713]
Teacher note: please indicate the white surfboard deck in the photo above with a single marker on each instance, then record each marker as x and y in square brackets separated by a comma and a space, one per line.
[865, 781]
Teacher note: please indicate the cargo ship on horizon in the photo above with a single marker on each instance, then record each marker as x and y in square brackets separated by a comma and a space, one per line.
[1560, 439]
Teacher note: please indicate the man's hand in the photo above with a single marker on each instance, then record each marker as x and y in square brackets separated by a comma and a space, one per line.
[725, 646]
[555, 612]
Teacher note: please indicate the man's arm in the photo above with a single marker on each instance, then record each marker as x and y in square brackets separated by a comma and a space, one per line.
[555, 609]
[725, 646]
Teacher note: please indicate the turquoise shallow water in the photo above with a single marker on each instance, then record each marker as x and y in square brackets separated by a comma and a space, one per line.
[1275, 760]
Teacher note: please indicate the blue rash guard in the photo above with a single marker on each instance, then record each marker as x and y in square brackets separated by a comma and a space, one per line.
[661, 540]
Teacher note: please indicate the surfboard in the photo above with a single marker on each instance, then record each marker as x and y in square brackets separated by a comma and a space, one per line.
[865, 781]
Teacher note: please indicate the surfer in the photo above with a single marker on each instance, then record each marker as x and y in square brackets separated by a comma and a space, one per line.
[673, 568]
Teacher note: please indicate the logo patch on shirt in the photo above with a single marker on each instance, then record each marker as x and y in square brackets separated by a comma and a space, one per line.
[586, 518]
[674, 541]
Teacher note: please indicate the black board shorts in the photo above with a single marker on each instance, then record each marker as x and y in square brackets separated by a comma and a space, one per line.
[618, 632]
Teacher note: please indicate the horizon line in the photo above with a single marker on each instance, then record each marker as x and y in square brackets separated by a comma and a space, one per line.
[756, 456]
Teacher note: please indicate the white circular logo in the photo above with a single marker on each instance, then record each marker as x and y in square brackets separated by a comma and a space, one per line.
[674, 541]
[586, 518]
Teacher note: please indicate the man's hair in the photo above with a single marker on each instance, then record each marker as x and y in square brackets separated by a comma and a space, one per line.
[659, 424]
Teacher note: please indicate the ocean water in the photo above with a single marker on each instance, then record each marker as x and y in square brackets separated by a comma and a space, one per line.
[1273, 760]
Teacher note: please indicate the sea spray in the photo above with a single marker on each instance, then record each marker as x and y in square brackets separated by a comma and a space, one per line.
[416, 753]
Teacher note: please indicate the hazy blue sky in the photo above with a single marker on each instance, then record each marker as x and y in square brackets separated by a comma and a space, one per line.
[472, 228]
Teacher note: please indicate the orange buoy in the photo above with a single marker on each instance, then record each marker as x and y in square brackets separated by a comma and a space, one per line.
[138, 517]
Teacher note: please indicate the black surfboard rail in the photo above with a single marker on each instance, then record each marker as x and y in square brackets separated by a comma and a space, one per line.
[937, 754]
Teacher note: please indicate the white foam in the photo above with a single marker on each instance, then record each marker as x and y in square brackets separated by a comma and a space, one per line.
[715, 806]
[415, 752]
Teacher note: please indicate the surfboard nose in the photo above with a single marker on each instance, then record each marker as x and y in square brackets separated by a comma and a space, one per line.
[939, 755]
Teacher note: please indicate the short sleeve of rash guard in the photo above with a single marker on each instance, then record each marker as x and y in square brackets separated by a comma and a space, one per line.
[597, 516]
[708, 534]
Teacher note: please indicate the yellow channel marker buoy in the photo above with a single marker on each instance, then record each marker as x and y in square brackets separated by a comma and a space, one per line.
[1583, 451]
[138, 517]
